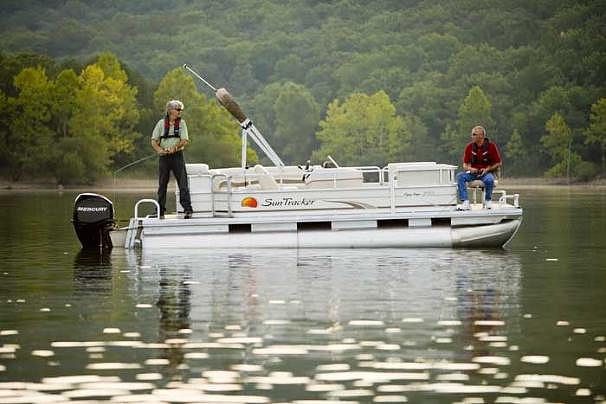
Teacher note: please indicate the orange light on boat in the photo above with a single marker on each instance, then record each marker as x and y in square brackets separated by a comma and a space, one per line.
[249, 202]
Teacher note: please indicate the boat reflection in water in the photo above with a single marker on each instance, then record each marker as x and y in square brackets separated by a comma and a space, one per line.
[328, 323]
[364, 325]
[337, 286]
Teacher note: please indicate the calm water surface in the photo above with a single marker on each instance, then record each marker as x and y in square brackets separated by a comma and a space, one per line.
[525, 324]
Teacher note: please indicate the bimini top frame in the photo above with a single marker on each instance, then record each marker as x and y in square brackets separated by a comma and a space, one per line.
[248, 127]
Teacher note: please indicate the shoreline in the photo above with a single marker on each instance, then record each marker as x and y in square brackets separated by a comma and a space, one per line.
[151, 184]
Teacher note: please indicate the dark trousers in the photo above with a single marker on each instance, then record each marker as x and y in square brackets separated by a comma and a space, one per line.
[175, 163]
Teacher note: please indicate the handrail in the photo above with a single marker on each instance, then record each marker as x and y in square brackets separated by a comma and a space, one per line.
[369, 169]
[514, 197]
[392, 194]
[146, 201]
[229, 192]
[382, 174]
[362, 169]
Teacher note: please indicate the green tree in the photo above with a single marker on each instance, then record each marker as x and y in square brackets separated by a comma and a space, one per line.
[516, 152]
[30, 142]
[4, 125]
[558, 144]
[103, 121]
[297, 115]
[363, 130]
[475, 110]
[596, 133]
[64, 101]
[263, 113]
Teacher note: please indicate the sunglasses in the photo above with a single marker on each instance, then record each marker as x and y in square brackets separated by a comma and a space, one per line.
[178, 109]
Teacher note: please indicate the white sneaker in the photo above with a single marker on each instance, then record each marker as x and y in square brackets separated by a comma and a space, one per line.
[488, 204]
[464, 206]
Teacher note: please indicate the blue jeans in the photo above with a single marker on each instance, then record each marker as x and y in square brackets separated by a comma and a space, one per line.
[465, 177]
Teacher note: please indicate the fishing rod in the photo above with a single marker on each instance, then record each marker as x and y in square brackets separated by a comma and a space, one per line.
[129, 165]
[228, 102]
[134, 162]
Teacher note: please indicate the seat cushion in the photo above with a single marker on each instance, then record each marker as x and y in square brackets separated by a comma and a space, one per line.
[479, 184]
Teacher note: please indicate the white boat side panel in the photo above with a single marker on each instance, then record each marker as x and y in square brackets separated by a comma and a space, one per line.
[283, 227]
[419, 222]
[383, 238]
[475, 220]
[224, 240]
[179, 230]
[494, 235]
[368, 197]
[354, 224]
[426, 195]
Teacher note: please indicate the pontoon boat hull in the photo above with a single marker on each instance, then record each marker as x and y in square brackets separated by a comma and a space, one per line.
[479, 229]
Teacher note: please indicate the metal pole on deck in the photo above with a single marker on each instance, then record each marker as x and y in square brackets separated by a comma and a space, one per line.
[227, 101]
[244, 142]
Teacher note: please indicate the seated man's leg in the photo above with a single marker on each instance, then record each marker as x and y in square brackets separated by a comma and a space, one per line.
[462, 179]
[488, 180]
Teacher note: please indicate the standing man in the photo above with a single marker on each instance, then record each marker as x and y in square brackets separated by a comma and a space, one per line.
[480, 159]
[169, 138]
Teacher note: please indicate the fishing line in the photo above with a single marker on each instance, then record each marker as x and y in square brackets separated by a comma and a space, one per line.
[127, 166]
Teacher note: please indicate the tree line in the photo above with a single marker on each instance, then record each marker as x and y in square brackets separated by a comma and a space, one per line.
[365, 82]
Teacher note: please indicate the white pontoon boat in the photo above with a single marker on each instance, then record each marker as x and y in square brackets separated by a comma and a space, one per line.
[400, 205]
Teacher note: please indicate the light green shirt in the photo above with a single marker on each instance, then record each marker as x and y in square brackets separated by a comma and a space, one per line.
[171, 141]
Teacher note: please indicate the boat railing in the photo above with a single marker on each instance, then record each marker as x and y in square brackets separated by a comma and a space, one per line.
[371, 169]
[141, 201]
[515, 198]
[228, 193]
[276, 182]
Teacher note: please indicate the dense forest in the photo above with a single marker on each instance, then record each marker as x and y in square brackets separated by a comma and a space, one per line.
[83, 83]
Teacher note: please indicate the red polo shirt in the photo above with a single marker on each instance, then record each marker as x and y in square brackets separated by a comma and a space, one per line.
[493, 155]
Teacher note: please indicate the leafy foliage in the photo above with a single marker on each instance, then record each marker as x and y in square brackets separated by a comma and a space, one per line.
[530, 60]
[596, 133]
[363, 130]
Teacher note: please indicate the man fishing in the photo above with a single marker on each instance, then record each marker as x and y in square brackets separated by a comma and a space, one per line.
[169, 138]
[480, 159]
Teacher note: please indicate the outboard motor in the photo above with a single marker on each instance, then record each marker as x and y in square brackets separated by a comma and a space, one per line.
[93, 219]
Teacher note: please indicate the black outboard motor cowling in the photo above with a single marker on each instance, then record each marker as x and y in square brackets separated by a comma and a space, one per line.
[93, 219]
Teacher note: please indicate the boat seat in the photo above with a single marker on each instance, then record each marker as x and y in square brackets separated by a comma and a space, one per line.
[334, 178]
[477, 185]
[197, 169]
[266, 181]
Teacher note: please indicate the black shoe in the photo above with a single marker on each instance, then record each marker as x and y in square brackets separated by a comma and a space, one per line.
[161, 217]
[188, 215]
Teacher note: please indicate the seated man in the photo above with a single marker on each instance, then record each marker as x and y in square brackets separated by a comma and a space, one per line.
[480, 159]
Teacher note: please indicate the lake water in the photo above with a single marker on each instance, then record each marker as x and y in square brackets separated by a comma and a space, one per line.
[525, 324]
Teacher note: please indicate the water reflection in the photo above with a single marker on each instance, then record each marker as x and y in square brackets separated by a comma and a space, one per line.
[93, 270]
[287, 325]
[174, 304]
[337, 286]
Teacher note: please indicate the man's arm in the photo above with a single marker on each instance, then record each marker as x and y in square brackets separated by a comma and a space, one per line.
[467, 161]
[156, 146]
[490, 168]
[155, 140]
